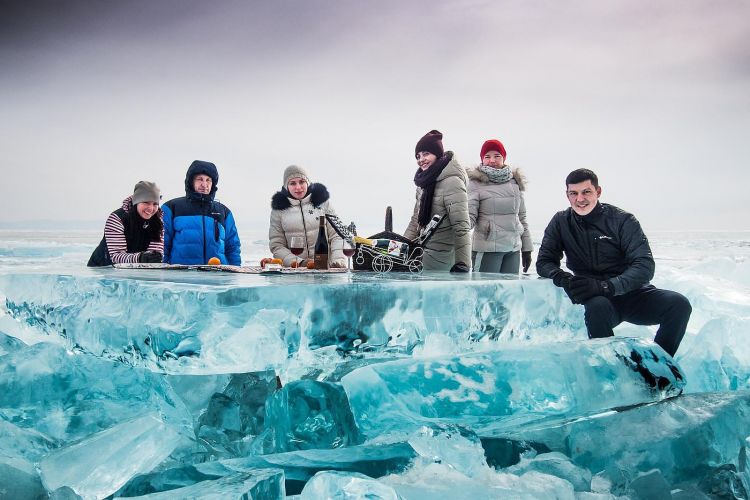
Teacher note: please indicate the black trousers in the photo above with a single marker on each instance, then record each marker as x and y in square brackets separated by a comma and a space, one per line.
[646, 306]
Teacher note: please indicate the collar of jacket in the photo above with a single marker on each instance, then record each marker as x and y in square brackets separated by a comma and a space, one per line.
[453, 169]
[316, 192]
[200, 197]
[481, 177]
[593, 216]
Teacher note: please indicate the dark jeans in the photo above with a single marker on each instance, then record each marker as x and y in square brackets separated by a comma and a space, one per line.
[646, 306]
[496, 262]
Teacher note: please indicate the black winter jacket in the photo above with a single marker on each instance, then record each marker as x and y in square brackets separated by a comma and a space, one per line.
[606, 244]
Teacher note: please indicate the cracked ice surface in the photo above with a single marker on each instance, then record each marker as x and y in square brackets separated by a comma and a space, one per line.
[414, 387]
[491, 390]
[197, 322]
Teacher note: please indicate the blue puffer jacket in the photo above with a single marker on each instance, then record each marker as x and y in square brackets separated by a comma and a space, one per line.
[196, 227]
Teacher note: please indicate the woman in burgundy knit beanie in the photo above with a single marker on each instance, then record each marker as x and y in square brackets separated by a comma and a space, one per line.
[441, 190]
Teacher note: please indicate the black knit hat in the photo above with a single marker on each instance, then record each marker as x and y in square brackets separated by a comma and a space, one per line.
[432, 142]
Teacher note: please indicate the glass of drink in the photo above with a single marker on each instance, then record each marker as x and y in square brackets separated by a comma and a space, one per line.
[296, 246]
[348, 248]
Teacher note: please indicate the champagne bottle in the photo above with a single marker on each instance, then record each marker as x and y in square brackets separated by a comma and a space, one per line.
[390, 247]
[430, 228]
[321, 245]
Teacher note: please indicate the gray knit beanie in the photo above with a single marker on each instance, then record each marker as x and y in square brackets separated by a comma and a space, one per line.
[146, 191]
[295, 172]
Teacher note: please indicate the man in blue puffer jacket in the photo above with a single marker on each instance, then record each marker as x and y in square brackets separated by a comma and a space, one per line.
[196, 227]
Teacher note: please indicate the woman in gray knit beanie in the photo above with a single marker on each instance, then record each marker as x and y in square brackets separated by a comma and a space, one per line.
[135, 231]
[294, 212]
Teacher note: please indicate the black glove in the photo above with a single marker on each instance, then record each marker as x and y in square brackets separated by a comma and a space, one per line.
[526, 260]
[150, 257]
[562, 279]
[460, 267]
[582, 289]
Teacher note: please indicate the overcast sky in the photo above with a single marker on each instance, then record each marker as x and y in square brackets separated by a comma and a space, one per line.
[653, 96]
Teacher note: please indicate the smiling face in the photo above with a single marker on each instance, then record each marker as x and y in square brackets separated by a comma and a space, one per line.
[297, 187]
[425, 159]
[147, 209]
[583, 196]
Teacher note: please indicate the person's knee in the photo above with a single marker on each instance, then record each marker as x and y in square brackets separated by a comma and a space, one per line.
[680, 305]
[599, 317]
[596, 306]
[598, 309]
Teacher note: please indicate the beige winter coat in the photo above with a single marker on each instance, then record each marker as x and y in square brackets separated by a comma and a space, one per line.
[291, 217]
[451, 243]
[497, 213]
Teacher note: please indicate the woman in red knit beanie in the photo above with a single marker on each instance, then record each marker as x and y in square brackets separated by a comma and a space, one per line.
[497, 212]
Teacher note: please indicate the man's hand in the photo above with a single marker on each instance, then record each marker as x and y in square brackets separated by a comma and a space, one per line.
[526, 260]
[582, 289]
[562, 279]
[149, 256]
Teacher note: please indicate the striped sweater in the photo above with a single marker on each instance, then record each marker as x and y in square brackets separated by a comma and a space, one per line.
[114, 234]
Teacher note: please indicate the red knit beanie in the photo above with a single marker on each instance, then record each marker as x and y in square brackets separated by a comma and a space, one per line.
[493, 145]
[432, 142]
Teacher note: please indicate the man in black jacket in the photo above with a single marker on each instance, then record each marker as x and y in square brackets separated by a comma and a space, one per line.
[612, 265]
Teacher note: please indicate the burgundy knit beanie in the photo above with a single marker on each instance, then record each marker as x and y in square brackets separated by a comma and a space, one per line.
[493, 145]
[432, 142]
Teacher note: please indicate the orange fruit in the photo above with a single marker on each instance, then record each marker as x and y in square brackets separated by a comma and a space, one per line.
[311, 264]
[214, 261]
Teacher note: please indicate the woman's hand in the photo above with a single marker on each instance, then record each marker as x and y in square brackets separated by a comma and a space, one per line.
[526, 260]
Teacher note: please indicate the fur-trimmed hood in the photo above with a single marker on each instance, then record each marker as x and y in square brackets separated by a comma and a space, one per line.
[317, 193]
[479, 176]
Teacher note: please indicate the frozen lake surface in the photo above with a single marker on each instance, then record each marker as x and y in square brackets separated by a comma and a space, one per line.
[177, 384]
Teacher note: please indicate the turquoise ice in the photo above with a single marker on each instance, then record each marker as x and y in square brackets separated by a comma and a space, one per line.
[424, 387]
[493, 390]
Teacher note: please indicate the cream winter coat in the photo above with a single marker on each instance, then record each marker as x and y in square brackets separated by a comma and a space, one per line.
[291, 217]
[451, 243]
[497, 213]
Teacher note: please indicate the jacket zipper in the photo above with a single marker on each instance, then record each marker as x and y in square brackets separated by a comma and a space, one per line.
[304, 229]
[595, 250]
[203, 220]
